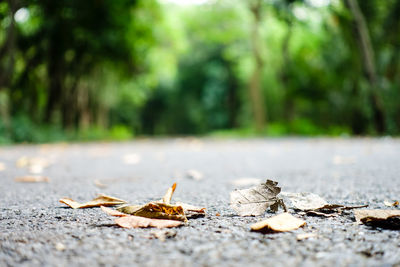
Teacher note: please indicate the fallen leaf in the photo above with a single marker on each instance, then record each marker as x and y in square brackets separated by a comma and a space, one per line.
[389, 219]
[192, 211]
[246, 181]
[113, 212]
[283, 222]
[321, 214]
[303, 201]
[99, 184]
[168, 195]
[188, 207]
[101, 200]
[313, 204]
[131, 221]
[300, 237]
[194, 175]
[161, 211]
[131, 159]
[162, 235]
[390, 203]
[256, 200]
[32, 179]
[2, 166]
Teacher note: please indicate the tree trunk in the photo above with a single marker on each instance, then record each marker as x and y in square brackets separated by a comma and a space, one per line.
[368, 60]
[255, 88]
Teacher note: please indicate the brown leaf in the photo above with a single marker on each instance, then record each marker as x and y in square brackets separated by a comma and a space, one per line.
[168, 195]
[283, 222]
[113, 212]
[389, 219]
[161, 211]
[131, 221]
[101, 200]
[255, 200]
[32, 179]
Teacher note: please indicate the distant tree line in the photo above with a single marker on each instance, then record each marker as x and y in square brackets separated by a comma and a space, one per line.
[117, 68]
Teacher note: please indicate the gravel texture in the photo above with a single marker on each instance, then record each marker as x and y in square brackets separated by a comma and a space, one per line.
[37, 230]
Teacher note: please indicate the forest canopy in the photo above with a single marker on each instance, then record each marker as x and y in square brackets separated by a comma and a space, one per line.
[115, 69]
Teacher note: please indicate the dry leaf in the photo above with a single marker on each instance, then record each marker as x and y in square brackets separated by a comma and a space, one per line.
[32, 179]
[131, 159]
[314, 204]
[246, 181]
[305, 236]
[113, 212]
[194, 174]
[390, 203]
[131, 221]
[101, 200]
[2, 166]
[255, 200]
[161, 211]
[389, 219]
[283, 222]
[303, 201]
[167, 197]
[162, 235]
[192, 211]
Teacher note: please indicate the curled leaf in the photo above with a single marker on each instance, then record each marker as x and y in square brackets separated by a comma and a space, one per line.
[168, 195]
[256, 200]
[101, 200]
[131, 221]
[283, 222]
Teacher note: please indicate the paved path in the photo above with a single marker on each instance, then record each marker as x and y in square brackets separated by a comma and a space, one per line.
[37, 230]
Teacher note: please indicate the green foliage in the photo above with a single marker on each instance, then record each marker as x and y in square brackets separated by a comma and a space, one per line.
[115, 69]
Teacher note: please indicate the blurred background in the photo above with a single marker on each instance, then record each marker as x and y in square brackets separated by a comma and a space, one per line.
[116, 69]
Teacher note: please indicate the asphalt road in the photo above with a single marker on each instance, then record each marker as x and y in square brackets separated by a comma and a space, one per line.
[37, 230]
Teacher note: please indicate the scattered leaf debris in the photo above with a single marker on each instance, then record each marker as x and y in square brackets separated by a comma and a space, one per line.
[101, 200]
[35, 165]
[163, 209]
[283, 222]
[391, 203]
[388, 219]
[256, 200]
[32, 179]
